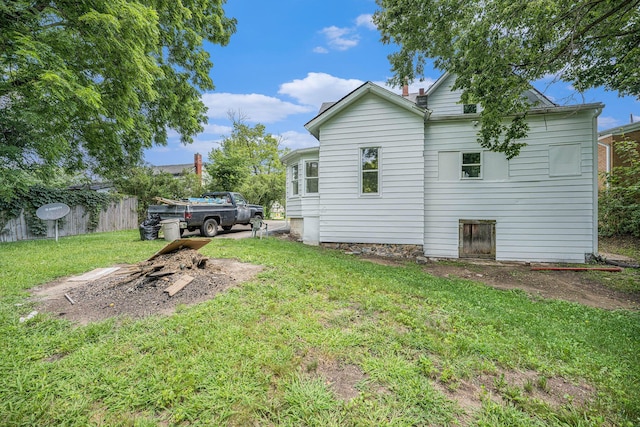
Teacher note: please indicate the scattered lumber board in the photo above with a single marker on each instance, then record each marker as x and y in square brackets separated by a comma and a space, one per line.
[162, 273]
[182, 281]
[613, 269]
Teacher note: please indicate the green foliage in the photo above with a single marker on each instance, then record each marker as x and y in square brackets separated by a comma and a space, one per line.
[29, 200]
[619, 202]
[146, 184]
[95, 83]
[248, 161]
[495, 48]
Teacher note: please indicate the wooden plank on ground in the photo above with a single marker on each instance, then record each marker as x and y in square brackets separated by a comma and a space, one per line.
[183, 281]
[612, 269]
[94, 274]
[162, 273]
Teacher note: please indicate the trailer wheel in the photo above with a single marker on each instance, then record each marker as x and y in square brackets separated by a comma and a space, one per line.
[209, 228]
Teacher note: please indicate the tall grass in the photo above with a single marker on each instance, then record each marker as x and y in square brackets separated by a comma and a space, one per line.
[248, 356]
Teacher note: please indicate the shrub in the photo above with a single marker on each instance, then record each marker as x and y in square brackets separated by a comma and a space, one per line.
[619, 202]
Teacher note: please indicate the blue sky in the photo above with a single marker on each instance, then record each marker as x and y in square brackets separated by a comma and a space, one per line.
[289, 56]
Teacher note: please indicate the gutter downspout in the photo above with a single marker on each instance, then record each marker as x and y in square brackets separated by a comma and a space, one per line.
[594, 167]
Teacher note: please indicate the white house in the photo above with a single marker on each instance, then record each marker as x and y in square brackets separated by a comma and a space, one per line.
[407, 171]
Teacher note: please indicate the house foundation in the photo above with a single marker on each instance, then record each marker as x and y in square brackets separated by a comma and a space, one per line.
[378, 249]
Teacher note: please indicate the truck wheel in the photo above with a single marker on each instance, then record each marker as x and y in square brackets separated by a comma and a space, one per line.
[209, 228]
[227, 227]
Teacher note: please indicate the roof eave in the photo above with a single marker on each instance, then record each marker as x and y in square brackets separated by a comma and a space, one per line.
[299, 152]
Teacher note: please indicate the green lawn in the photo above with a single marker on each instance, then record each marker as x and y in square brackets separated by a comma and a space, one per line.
[421, 350]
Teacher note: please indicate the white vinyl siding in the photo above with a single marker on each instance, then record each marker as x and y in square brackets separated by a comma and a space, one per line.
[396, 216]
[445, 102]
[538, 217]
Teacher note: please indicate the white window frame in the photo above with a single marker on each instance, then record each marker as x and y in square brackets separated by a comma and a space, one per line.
[362, 171]
[462, 164]
[295, 180]
[307, 178]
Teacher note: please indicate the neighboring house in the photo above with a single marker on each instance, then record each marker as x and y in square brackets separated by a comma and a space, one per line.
[406, 171]
[608, 157]
[177, 170]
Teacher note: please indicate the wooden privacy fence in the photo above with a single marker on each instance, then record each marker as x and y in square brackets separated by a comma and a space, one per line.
[120, 215]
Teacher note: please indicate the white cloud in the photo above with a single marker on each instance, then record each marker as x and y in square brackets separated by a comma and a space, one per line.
[366, 20]
[320, 49]
[257, 108]
[215, 129]
[317, 88]
[296, 140]
[607, 122]
[340, 38]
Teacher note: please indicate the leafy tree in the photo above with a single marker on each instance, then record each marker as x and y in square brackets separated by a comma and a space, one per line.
[496, 47]
[619, 202]
[146, 184]
[93, 83]
[248, 161]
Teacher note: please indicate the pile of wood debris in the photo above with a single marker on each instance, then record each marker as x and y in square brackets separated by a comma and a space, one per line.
[175, 265]
[176, 275]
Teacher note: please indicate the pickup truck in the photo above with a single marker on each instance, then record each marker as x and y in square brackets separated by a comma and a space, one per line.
[222, 208]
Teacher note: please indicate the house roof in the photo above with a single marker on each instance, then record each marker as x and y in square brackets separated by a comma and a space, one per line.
[533, 95]
[174, 169]
[620, 130]
[330, 110]
[295, 153]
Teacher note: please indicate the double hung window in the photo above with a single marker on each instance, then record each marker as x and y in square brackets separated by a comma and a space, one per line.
[311, 177]
[471, 165]
[370, 170]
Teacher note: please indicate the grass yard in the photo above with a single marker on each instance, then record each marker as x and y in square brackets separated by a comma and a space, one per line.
[319, 338]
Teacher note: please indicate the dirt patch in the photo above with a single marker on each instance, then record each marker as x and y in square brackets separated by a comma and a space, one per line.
[517, 387]
[574, 286]
[127, 292]
[342, 378]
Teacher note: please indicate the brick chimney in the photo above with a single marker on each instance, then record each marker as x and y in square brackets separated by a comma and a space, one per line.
[405, 90]
[197, 163]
